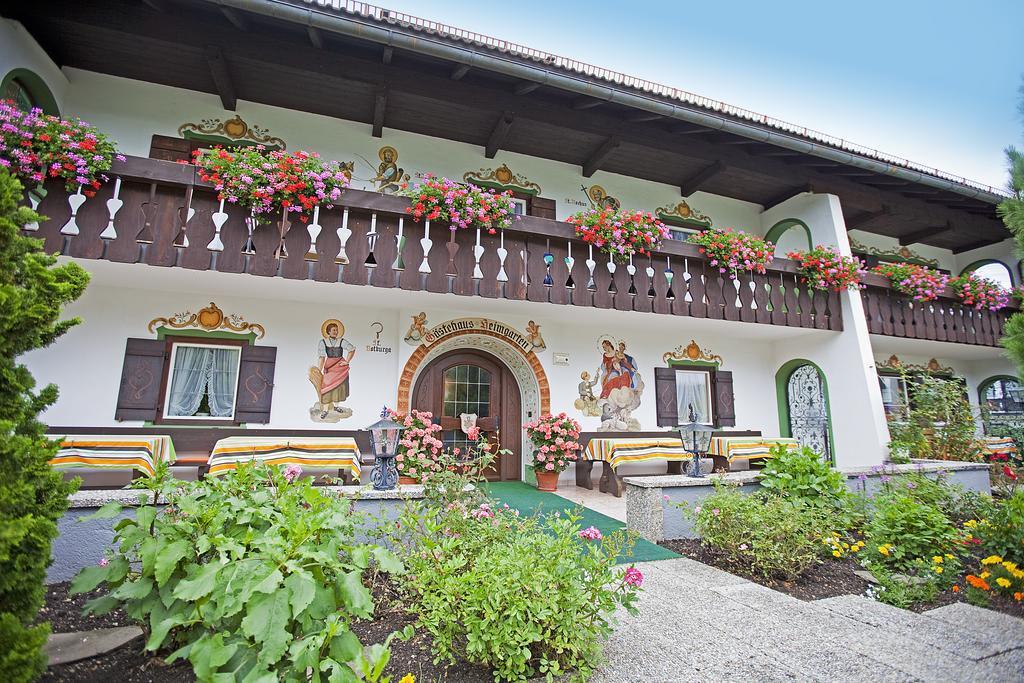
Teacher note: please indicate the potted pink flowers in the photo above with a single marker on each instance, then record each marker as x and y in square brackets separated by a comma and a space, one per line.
[419, 447]
[825, 268]
[918, 282]
[980, 292]
[731, 251]
[462, 205]
[620, 234]
[555, 439]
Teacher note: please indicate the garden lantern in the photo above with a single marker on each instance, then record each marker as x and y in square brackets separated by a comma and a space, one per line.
[384, 436]
[696, 438]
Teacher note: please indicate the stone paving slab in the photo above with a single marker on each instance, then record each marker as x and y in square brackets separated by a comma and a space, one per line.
[62, 648]
[931, 631]
[981, 622]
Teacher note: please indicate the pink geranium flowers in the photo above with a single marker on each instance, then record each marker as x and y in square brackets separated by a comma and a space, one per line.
[825, 268]
[620, 234]
[918, 282]
[591, 533]
[555, 439]
[980, 292]
[633, 577]
[462, 205]
[419, 448]
[731, 251]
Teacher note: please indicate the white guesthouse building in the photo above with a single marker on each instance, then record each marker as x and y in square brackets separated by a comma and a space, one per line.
[507, 326]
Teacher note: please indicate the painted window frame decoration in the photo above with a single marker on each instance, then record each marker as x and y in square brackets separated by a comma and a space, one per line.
[185, 341]
[692, 360]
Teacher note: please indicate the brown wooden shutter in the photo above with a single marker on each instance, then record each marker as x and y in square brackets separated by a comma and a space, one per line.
[665, 397]
[542, 208]
[170, 149]
[725, 406]
[255, 384]
[139, 396]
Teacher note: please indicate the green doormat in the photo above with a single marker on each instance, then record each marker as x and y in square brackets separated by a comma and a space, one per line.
[528, 500]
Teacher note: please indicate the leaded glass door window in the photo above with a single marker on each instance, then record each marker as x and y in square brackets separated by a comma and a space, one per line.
[467, 391]
[808, 409]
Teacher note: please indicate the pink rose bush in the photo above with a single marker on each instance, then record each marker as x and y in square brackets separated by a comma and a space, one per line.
[825, 268]
[461, 205]
[732, 251]
[980, 292]
[620, 234]
[419, 449]
[35, 146]
[555, 440]
[918, 282]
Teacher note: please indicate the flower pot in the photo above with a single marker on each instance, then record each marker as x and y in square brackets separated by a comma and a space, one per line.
[547, 481]
[407, 480]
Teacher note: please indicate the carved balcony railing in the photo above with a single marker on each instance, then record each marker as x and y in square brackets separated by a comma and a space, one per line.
[159, 213]
[946, 319]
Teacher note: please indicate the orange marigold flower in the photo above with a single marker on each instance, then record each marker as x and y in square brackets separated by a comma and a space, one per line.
[977, 582]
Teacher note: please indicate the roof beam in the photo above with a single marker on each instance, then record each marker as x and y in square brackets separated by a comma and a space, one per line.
[643, 117]
[860, 220]
[694, 182]
[237, 18]
[970, 246]
[221, 77]
[459, 71]
[385, 57]
[380, 105]
[786, 196]
[918, 235]
[582, 103]
[600, 154]
[499, 134]
[525, 87]
[315, 37]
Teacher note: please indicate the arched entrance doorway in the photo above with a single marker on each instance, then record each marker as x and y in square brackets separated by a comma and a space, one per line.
[474, 382]
[803, 406]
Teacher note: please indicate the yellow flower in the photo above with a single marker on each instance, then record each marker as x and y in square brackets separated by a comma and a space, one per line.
[855, 549]
[985, 575]
[937, 559]
[836, 553]
[408, 678]
[1018, 574]
[938, 570]
[992, 559]
[949, 556]
[971, 523]
[1005, 583]
[1010, 566]
[884, 549]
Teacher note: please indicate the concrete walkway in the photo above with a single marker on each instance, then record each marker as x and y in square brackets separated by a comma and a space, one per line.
[698, 623]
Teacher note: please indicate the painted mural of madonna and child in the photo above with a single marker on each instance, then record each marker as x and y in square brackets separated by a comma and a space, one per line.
[619, 389]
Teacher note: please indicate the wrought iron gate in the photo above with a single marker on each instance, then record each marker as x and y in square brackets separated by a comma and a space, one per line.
[808, 410]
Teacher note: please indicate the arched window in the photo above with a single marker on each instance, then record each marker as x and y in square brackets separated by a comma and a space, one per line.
[790, 235]
[27, 89]
[991, 269]
[1002, 398]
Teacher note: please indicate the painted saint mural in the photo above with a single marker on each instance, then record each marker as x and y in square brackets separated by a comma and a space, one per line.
[330, 375]
[620, 389]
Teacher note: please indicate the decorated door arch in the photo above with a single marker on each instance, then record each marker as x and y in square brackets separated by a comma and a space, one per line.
[804, 407]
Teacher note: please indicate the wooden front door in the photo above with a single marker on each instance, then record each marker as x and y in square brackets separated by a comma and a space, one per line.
[465, 381]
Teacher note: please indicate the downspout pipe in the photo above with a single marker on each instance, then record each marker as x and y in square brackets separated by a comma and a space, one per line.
[357, 27]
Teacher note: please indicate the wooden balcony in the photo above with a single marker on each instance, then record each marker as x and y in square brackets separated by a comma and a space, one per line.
[163, 215]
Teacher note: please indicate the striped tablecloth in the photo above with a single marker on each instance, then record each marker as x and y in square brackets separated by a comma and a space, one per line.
[114, 451]
[997, 445]
[746, 447]
[620, 451]
[327, 452]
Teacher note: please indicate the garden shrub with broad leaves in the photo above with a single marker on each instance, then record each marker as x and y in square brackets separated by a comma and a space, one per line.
[525, 596]
[1001, 531]
[254, 575]
[770, 535]
[802, 475]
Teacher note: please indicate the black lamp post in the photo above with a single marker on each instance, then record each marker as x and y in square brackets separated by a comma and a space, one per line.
[696, 438]
[384, 435]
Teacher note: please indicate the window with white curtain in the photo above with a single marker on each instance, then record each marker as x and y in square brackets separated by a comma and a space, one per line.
[202, 382]
[693, 390]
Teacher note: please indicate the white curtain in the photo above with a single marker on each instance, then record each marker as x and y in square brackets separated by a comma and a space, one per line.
[222, 382]
[189, 377]
[203, 370]
[691, 389]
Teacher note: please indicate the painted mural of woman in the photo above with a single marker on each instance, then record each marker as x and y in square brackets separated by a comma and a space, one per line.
[621, 388]
[330, 376]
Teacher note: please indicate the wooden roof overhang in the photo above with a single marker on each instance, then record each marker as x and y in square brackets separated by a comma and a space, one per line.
[212, 46]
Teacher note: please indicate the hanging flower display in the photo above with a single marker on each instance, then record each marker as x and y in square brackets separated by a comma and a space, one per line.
[980, 292]
[267, 182]
[461, 205]
[420, 447]
[919, 282]
[825, 268]
[555, 439]
[734, 250]
[620, 234]
[36, 146]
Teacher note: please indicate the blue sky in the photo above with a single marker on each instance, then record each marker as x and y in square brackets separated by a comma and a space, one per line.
[935, 82]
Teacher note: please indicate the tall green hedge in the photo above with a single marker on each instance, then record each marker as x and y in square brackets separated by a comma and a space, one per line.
[33, 289]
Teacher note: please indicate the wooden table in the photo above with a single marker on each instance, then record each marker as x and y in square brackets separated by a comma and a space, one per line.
[725, 450]
[616, 451]
[114, 451]
[339, 452]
